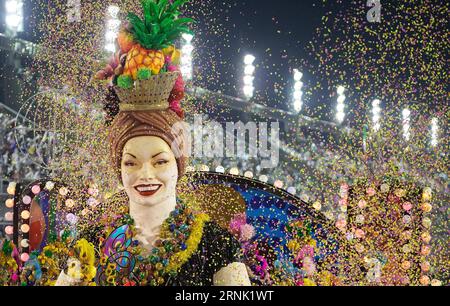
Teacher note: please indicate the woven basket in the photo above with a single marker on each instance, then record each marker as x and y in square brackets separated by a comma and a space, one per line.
[151, 94]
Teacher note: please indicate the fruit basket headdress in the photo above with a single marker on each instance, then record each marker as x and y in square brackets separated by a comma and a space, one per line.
[144, 73]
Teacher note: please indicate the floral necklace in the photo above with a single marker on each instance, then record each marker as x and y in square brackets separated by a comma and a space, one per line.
[123, 262]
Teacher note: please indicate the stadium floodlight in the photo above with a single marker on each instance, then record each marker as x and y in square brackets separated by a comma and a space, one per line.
[112, 28]
[249, 70]
[406, 113]
[340, 90]
[187, 37]
[340, 108]
[113, 11]
[14, 16]
[186, 56]
[298, 93]
[249, 59]
[434, 132]
[297, 75]
[376, 114]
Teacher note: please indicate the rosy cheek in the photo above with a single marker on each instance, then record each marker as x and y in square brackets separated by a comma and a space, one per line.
[170, 175]
[128, 177]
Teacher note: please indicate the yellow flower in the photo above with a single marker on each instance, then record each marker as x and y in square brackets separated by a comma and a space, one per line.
[74, 268]
[178, 259]
[293, 245]
[110, 279]
[324, 278]
[103, 261]
[86, 251]
[108, 272]
[308, 282]
[111, 266]
[174, 54]
[312, 242]
[89, 272]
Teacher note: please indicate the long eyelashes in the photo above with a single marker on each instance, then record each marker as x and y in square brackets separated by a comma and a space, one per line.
[159, 163]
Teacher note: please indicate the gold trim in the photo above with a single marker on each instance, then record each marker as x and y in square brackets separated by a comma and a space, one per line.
[163, 105]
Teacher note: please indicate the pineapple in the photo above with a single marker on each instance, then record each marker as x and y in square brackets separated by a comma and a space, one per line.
[139, 57]
[156, 32]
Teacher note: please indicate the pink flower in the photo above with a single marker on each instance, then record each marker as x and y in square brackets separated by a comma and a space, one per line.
[179, 84]
[178, 89]
[177, 93]
[175, 106]
[247, 231]
[362, 204]
[236, 223]
[172, 68]
[261, 269]
[306, 251]
[343, 202]
[359, 233]
[299, 281]
[14, 277]
[309, 266]
[370, 191]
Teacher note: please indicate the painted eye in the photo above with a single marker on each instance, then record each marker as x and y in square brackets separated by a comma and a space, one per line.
[129, 164]
[161, 162]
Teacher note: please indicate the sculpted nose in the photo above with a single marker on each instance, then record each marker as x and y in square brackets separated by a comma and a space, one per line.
[147, 172]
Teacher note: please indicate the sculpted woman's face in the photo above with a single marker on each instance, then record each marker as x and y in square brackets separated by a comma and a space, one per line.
[149, 170]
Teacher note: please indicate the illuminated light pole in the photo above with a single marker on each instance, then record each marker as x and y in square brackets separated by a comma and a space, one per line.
[298, 93]
[340, 115]
[112, 28]
[434, 132]
[406, 113]
[186, 57]
[376, 111]
[14, 16]
[249, 71]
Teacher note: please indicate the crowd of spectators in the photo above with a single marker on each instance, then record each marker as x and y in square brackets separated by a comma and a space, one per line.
[18, 160]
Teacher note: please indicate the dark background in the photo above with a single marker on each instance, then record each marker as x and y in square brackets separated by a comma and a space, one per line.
[276, 32]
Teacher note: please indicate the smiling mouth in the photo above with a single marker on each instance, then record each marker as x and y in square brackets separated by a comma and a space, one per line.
[147, 190]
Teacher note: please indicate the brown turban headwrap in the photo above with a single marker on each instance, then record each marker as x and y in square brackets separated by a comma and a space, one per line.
[158, 123]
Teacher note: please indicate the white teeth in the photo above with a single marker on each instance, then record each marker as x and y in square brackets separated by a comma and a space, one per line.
[148, 188]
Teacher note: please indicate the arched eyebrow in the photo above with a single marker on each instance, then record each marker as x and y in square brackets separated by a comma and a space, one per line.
[152, 156]
[158, 154]
[131, 155]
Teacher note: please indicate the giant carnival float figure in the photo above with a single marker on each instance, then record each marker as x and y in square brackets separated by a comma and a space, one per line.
[168, 227]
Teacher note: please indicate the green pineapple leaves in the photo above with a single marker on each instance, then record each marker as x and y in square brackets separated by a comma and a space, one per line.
[161, 25]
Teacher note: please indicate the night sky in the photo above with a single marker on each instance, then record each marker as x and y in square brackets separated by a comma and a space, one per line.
[276, 32]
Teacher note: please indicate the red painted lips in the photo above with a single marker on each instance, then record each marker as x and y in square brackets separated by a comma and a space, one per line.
[148, 189]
